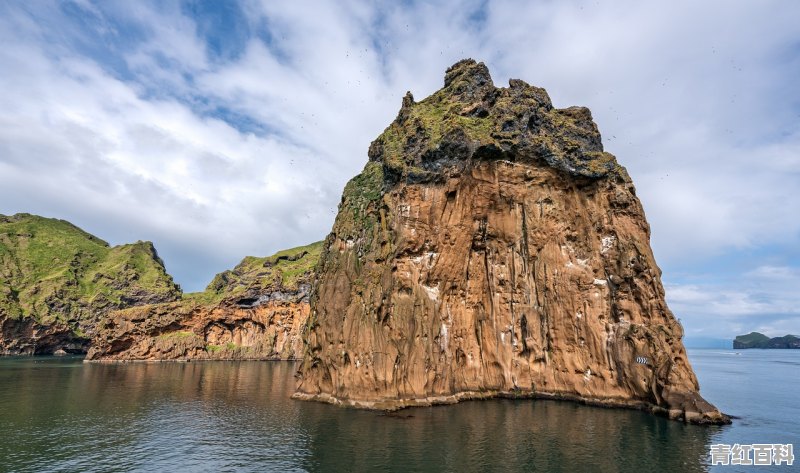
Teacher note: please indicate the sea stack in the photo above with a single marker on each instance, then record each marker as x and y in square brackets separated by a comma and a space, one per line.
[491, 247]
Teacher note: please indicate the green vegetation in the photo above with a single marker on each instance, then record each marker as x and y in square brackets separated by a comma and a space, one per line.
[57, 274]
[203, 298]
[285, 269]
[752, 338]
[599, 162]
[53, 271]
[758, 340]
[471, 114]
[360, 198]
[228, 347]
[428, 122]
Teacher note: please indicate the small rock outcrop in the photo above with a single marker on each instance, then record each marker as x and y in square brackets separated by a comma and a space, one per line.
[57, 282]
[492, 247]
[253, 312]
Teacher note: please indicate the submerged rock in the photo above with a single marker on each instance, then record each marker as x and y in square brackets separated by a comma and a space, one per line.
[253, 312]
[491, 247]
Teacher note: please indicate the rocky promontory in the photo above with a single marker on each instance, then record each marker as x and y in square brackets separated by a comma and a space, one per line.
[252, 312]
[57, 282]
[759, 340]
[492, 247]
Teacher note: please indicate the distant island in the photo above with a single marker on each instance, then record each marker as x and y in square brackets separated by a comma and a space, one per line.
[759, 340]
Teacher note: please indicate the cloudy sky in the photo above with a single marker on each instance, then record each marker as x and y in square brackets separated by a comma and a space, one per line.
[225, 129]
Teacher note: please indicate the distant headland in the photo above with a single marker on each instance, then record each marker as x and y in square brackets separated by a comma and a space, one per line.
[759, 340]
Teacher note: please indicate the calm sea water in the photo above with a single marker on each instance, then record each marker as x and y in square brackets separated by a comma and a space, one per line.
[58, 414]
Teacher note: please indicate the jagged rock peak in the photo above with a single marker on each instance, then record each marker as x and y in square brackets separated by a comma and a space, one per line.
[408, 100]
[470, 119]
[468, 76]
[405, 107]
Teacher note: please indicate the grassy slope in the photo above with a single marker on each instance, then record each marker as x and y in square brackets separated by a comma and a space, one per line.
[285, 269]
[752, 338]
[53, 271]
[759, 340]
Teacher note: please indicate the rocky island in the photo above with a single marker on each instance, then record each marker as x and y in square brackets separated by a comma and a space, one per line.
[252, 312]
[491, 247]
[759, 340]
[57, 282]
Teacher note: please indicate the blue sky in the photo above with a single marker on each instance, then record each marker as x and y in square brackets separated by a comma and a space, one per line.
[225, 129]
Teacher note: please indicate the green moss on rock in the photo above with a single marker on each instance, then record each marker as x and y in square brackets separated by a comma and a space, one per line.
[54, 273]
[52, 269]
[470, 118]
[285, 270]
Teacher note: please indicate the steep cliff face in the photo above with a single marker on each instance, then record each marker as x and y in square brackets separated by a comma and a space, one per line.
[57, 282]
[253, 312]
[491, 247]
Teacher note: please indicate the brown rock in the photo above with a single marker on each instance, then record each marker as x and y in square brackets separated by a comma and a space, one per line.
[252, 312]
[492, 248]
[57, 282]
[176, 332]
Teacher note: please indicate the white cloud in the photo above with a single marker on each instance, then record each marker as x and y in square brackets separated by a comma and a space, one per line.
[692, 97]
[697, 99]
[766, 298]
[88, 147]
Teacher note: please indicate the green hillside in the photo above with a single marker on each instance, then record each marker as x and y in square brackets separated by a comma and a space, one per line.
[55, 277]
[758, 340]
[167, 331]
[253, 276]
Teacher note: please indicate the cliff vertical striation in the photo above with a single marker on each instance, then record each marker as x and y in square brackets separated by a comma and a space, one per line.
[491, 247]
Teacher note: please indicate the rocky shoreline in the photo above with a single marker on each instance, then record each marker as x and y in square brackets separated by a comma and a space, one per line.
[57, 282]
[394, 405]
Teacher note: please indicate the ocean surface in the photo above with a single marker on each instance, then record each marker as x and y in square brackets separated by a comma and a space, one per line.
[59, 414]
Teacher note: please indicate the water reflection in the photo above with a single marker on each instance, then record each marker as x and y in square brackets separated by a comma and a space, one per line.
[503, 435]
[64, 415]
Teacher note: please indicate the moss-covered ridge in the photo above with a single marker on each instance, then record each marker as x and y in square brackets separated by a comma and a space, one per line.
[467, 121]
[286, 270]
[470, 118]
[52, 272]
[180, 329]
